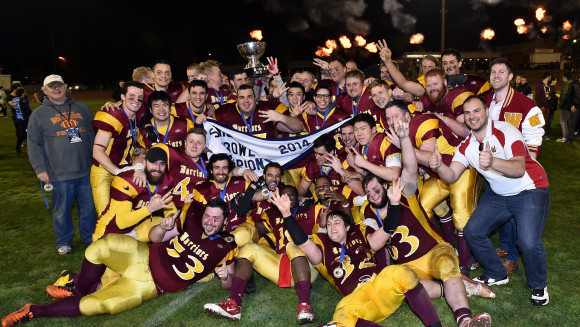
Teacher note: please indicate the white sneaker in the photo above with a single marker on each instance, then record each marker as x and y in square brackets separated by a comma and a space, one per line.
[65, 249]
[562, 140]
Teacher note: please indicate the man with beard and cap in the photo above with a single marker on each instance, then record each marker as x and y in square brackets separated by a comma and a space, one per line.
[451, 62]
[116, 144]
[446, 102]
[281, 262]
[195, 110]
[133, 209]
[147, 271]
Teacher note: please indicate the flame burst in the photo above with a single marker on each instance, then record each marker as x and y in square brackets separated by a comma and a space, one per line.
[540, 14]
[566, 26]
[345, 42]
[371, 47]
[360, 41]
[331, 44]
[417, 38]
[519, 22]
[323, 52]
[544, 29]
[256, 35]
[487, 34]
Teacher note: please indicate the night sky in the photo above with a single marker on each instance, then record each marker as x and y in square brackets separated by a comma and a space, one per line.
[104, 40]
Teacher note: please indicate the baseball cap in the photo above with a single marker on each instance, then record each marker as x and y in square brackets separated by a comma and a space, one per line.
[52, 79]
[155, 154]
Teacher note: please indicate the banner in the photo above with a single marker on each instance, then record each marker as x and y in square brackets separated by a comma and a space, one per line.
[255, 153]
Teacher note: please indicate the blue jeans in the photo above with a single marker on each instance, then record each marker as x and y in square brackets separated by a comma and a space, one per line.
[62, 195]
[508, 240]
[530, 210]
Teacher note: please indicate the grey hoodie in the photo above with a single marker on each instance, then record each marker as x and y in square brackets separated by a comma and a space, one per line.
[49, 147]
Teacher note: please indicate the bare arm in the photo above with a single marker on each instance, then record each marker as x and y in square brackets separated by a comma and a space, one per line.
[413, 88]
[102, 140]
[166, 230]
[514, 167]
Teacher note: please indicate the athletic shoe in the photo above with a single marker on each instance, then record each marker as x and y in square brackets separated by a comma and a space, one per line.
[481, 320]
[227, 309]
[65, 249]
[477, 289]
[561, 140]
[250, 285]
[65, 279]
[23, 314]
[59, 292]
[540, 296]
[492, 281]
[304, 314]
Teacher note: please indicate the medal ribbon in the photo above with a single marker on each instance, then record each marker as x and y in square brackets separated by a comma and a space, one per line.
[379, 215]
[355, 109]
[202, 167]
[166, 133]
[250, 126]
[220, 97]
[133, 129]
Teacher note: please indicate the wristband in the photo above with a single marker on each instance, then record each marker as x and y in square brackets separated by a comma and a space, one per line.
[277, 74]
[391, 222]
[118, 171]
[139, 166]
[241, 171]
[296, 232]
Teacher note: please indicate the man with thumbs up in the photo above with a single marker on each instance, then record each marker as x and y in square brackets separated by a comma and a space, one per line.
[518, 188]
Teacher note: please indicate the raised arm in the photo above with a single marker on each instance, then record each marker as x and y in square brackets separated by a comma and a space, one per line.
[385, 53]
[299, 237]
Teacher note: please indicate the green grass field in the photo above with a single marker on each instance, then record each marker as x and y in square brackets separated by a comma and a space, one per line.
[30, 262]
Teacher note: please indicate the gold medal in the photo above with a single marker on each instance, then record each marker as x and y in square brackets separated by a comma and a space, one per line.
[338, 272]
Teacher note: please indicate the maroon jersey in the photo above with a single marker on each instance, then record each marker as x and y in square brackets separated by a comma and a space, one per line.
[123, 131]
[476, 84]
[208, 190]
[413, 238]
[189, 256]
[364, 105]
[305, 217]
[173, 135]
[174, 90]
[381, 152]
[230, 115]
[424, 127]
[332, 115]
[357, 264]
[185, 171]
[217, 97]
[114, 219]
[336, 89]
[185, 110]
[451, 105]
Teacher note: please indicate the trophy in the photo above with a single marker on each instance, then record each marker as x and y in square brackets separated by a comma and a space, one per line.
[252, 51]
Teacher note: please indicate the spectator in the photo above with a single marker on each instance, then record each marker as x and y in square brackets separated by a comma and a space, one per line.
[60, 140]
[564, 106]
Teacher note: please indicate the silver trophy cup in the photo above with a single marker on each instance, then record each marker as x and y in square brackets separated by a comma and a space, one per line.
[252, 51]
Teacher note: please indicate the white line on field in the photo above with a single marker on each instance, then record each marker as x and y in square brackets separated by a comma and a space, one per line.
[174, 305]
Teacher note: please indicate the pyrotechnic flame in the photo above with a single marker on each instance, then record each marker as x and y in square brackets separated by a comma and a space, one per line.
[323, 52]
[371, 47]
[256, 35]
[417, 38]
[519, 22]
[522, 29]
[566, 37]
[487, 34]
[360, 41]
[331, 45]
[544, 29]
[566, 26]
[540, 13]
[345, 42]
